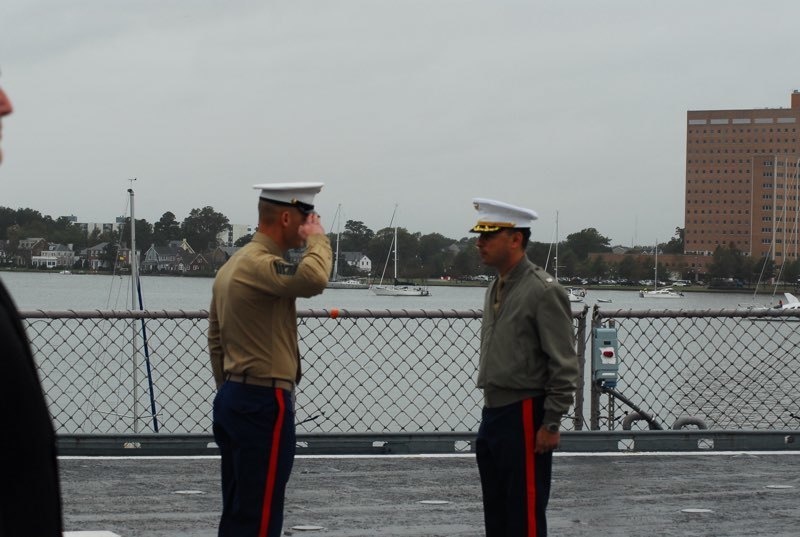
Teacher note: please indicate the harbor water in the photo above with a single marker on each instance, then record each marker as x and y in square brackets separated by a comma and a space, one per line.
[80, 292]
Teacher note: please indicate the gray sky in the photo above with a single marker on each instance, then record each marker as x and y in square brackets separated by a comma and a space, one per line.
[577, 107]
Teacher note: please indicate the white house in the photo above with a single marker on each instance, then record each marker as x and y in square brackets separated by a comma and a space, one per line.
[56, 255]
[358, 260]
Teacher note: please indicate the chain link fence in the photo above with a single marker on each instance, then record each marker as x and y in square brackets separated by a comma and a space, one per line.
[714, 369]
[411, 371]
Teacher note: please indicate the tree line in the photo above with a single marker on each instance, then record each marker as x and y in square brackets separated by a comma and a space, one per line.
[200, 229]
[431, 255]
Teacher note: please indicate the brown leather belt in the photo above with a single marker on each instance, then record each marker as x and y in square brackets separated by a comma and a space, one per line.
[261, 381]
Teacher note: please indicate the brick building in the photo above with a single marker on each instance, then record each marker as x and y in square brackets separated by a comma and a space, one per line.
[742, 182]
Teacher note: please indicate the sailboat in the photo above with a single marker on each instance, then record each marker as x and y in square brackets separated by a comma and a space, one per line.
[664, 292]
[575, 294]
[398, 288]
[335, 282]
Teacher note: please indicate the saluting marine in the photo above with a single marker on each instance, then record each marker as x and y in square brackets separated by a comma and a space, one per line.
[528, 371]
[252, 340]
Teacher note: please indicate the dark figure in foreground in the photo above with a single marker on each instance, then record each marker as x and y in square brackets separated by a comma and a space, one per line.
[528, 371]
[29, 487]
[252, 339]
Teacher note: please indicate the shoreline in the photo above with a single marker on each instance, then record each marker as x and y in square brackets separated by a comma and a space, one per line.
[764, 290]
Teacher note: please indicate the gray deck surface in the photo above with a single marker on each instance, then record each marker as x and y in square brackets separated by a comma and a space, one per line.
[611, 495]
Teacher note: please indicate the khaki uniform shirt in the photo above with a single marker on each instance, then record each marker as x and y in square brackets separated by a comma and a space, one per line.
[252, 321]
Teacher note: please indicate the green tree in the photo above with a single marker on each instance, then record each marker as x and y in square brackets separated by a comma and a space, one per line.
[434, 254]
[762, 270]
[537, 253]
[467, 262]
[728, 263]
[356, 237]
[596, 268]
[587, 241]
[66, 232]
[675, 244]
[8, 218]
[567, 264]
[166, 229]
[144, 234]
[378, 250]
[409, 263]
[201, 227]
[26, 217]
[381, 251]
[243, 240]
[790, 271]
[629, 269]
[109, 255]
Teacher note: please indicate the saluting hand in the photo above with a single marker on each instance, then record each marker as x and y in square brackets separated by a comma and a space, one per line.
[311, 226]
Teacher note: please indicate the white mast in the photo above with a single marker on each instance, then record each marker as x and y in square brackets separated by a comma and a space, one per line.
[134, 283]
[395, 253]
[555, 259]
[338, 232]
[655, 268]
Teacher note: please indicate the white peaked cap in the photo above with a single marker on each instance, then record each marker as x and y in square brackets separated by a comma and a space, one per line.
[496, 215]
[300, 195]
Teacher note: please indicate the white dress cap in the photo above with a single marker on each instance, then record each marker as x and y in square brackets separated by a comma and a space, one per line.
[496, 215]
[300, 195]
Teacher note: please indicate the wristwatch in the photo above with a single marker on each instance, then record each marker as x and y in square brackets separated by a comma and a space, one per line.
[552, 427]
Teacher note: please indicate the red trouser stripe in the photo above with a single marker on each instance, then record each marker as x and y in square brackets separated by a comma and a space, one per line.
[530, 470]
[272, 468]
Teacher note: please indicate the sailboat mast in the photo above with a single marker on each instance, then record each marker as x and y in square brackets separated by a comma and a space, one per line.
[338, 233]
[395, 253]
[134, 283]
[655, 268]
[134, 267]
[555, 259]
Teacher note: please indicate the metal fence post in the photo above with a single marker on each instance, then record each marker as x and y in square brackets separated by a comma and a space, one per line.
[594, 412]
[581, 350]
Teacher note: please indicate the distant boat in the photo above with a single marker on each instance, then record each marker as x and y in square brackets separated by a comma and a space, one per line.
[65, 272]
[575, 294]
[398, 288]
[335, 282]
[604, 300]
[792, 304]
[347, 284]
[664, 292]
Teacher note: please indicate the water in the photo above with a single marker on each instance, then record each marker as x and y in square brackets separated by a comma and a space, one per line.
[57, 292]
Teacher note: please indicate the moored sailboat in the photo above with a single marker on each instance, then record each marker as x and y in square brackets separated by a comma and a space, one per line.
[398, 288]
[335, 282]
[664, 292]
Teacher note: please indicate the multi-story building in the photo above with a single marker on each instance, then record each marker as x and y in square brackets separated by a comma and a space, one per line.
[742, 182]
[237, 231]
[90, 227]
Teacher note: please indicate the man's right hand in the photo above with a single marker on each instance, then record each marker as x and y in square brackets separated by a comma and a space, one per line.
[311, 226]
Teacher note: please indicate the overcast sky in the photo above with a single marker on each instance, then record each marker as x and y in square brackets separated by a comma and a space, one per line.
[571, 106]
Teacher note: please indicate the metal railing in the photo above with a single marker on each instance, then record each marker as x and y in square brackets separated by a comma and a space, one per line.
[398, 372]
[728, 369]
